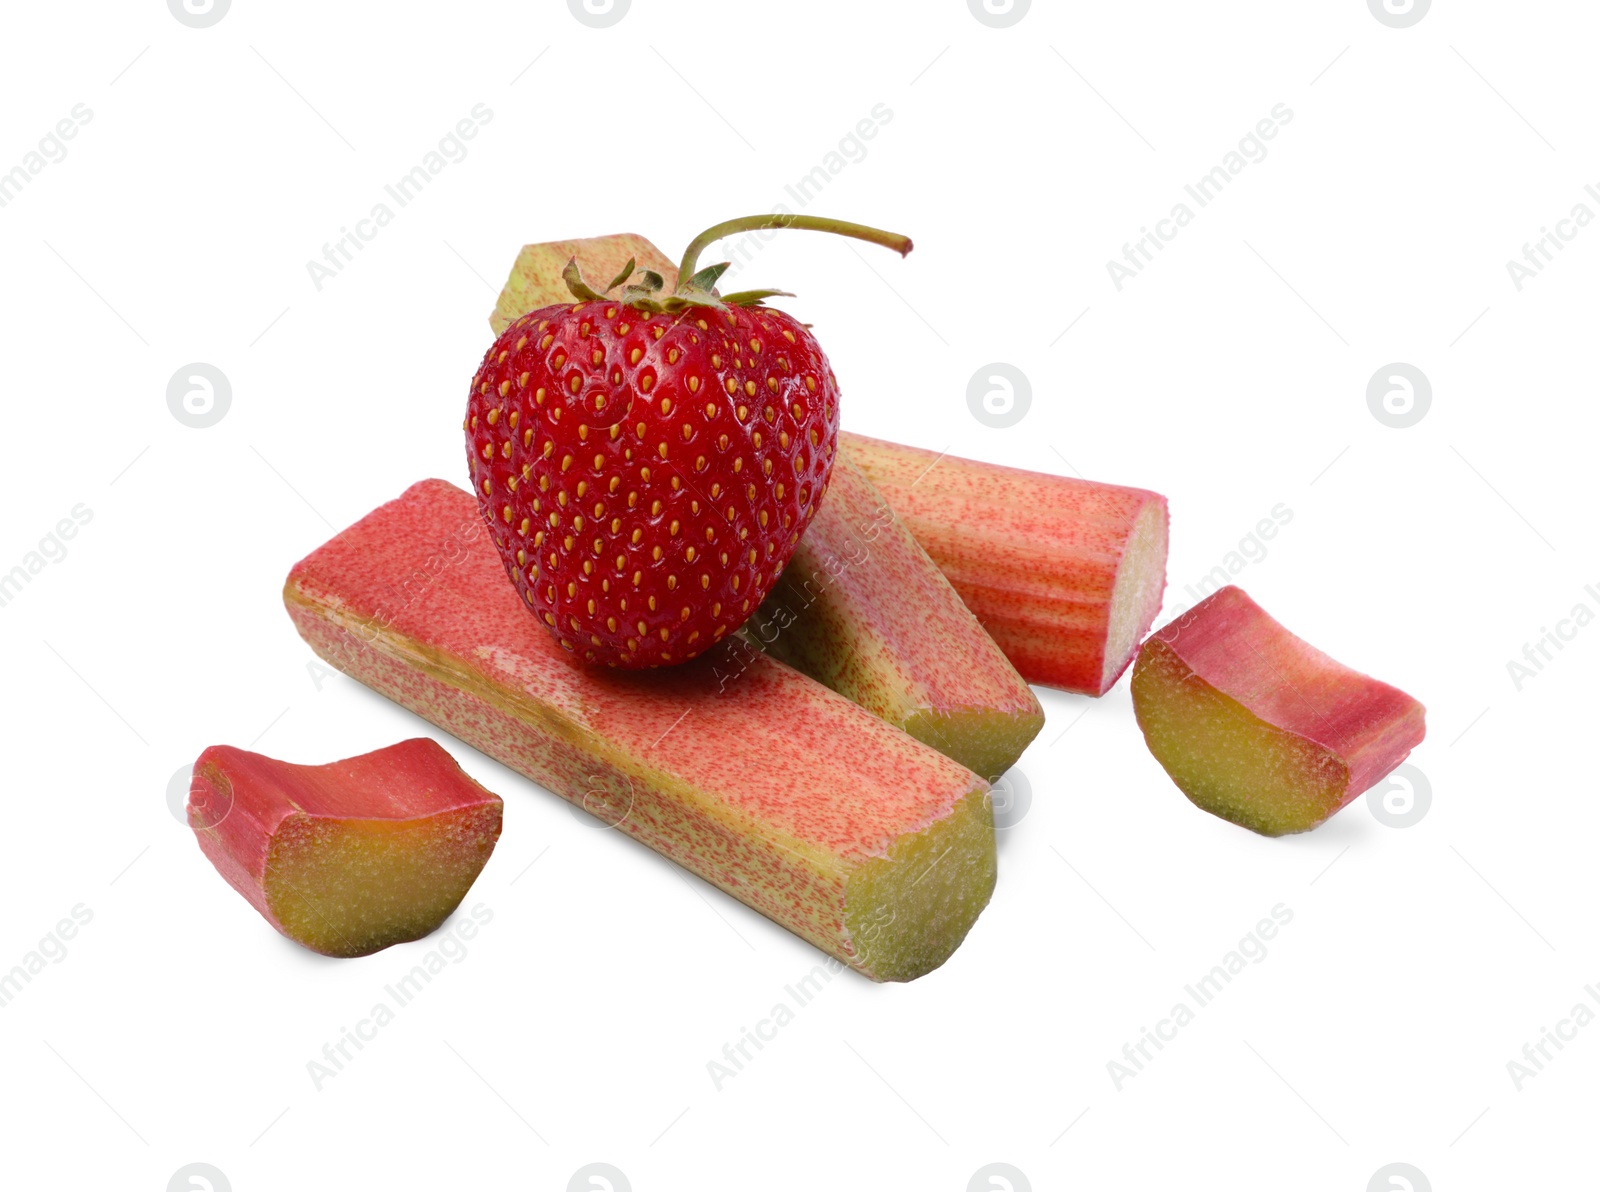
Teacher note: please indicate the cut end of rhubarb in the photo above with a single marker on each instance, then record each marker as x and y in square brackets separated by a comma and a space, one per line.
[1227, 760]
[907, 912]
[1259, 728]
[353, 887]
[986, 740]
[1136, 594]
[1064, 574]
[349, 858]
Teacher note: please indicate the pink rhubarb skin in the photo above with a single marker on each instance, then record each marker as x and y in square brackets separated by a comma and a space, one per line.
[350, 857]
[839, 827]
[1257, 726]
[1066, 575]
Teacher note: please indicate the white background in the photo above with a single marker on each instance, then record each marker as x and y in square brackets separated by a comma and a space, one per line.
[1230, 375]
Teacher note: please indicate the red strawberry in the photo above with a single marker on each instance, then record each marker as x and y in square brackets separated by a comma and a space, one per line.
[647, 464]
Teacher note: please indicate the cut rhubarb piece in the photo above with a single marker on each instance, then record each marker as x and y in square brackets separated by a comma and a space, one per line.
[350, 857]
[535, 279]
[1258, 727]
[841, 828]
[863, 610]
[1066, 575]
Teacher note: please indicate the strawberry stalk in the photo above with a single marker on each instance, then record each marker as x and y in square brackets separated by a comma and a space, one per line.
[697, 287]
[805, 223]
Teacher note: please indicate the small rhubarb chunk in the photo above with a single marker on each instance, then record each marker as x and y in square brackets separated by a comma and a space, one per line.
[351, 857]
[1256, 726]
[1065, 574]
[862, 609]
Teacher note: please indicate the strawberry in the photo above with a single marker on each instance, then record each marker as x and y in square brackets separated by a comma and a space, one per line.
[647, 463]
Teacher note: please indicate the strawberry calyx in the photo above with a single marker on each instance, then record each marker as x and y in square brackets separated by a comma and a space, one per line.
[699, 287]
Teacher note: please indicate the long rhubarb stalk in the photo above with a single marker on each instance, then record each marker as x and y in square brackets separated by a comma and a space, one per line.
[839, 827]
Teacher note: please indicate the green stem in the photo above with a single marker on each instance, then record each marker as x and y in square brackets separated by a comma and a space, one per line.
[807, 223]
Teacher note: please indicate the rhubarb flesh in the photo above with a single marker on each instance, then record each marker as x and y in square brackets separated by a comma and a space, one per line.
[351, 857]
[858, 838]
[1258, 727]
[1066, 575]
[861, 607]
[863, 610]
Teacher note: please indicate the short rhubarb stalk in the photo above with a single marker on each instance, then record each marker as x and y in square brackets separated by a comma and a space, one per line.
[1066, 575]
